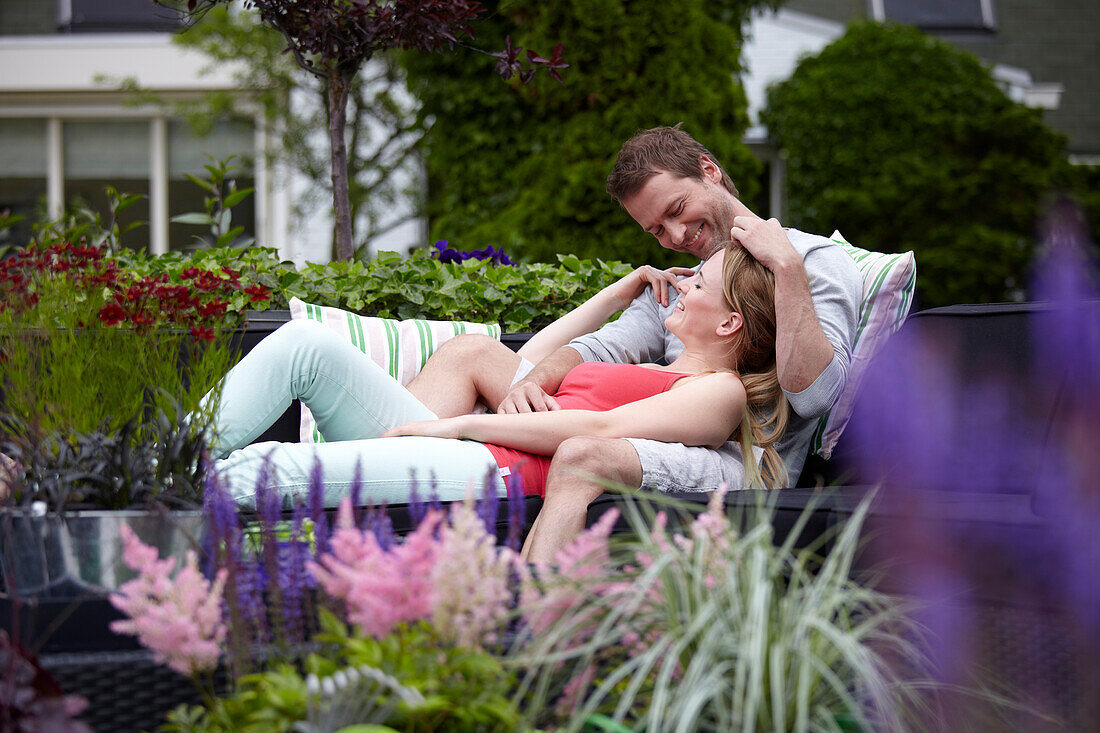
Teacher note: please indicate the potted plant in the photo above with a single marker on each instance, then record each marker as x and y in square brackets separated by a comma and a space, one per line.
[103, 375]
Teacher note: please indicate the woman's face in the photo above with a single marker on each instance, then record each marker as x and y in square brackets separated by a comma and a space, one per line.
[702, 308]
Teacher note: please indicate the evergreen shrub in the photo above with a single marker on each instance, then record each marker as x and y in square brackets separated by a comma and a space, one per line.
[903, 142]
[524, 167]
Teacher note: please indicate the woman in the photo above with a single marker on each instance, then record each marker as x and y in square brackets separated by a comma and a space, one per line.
[725, 317]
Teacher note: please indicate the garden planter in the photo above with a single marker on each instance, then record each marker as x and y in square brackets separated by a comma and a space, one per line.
[56, 572]
[80, 553]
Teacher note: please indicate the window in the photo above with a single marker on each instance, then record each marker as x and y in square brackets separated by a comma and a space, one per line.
[22, 175]
[115, 15]
[937, 15]
[100, 153]
[187, 154]
[44, 173]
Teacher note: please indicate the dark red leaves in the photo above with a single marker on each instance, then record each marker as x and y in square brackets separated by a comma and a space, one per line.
[509, 62]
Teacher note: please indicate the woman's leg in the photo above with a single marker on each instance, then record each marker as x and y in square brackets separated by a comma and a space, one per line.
[382, 466]
[349, 395]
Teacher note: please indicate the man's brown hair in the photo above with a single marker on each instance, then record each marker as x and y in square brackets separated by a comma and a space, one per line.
[659, 149]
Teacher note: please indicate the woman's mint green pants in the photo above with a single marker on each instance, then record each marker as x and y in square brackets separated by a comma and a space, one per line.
[354, 401]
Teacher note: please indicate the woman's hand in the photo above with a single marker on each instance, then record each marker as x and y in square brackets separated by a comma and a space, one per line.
[446, 428]
[631, 286]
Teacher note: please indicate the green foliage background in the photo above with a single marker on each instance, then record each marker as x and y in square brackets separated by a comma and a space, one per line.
[525, 166]
[522, 298]
[902, 142]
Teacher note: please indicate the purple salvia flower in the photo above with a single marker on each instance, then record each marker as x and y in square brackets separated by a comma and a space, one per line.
[316, 504]
[433, 493]
[999, 432]
[488, 504]
[220, 513]
[1067, 337]
[1066, 343]
[269, 511]
[293, 578]
[417, 508]
[377, 521]
[355, 490]
[250, 601]
[517, 510]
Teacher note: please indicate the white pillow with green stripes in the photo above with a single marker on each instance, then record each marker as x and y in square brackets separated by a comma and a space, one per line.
[400, 347]
[889, 281]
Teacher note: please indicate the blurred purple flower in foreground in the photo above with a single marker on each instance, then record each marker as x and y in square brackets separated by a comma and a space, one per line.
[990, 483]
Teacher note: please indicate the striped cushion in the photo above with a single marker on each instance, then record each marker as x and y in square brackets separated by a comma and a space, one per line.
[888, 284]
[401, 347]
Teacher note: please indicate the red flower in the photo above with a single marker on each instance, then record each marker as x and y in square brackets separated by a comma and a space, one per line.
[257, 293]
[213, 309]
[112, 314]
[203, 333]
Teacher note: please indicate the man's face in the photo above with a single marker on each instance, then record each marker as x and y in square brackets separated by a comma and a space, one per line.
[685, 214]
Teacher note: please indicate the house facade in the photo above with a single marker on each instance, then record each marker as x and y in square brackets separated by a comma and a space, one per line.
[67, 130]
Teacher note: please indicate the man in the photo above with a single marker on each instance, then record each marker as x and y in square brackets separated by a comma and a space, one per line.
[675, 190]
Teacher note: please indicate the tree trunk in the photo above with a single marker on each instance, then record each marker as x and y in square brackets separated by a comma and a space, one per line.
[338, 86]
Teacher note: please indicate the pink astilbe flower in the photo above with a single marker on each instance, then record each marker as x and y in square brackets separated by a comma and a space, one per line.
[584, 560]
[470, 580]
[178, 618]
[380, 588]
[711, 532]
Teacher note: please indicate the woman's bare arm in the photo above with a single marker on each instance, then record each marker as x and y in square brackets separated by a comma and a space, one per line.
[702, 411]
[595, 311]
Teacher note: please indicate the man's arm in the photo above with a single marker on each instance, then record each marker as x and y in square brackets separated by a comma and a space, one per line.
[636, 337]
[532, 393]
[817, 308]
[802, 352]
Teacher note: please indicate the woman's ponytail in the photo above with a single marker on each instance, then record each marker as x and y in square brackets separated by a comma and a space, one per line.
[750, 290]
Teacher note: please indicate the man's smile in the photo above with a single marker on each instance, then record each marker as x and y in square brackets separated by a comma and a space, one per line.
[689, 246]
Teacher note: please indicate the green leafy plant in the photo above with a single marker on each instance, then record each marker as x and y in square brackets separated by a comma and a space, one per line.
[432, 685]
[523, 297]
[8, 221]
[82, 223]
[222, 196]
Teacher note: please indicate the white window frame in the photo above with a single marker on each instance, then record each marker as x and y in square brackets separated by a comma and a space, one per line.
[158, 166]
[877, 11]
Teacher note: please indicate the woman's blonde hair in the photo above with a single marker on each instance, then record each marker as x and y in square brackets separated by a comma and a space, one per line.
[749, 289]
